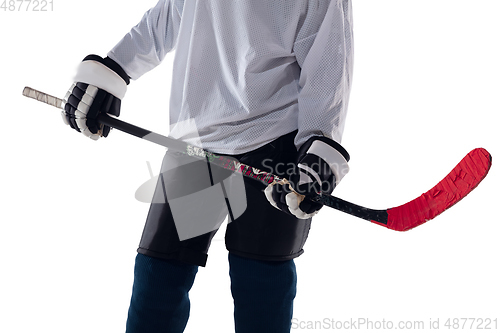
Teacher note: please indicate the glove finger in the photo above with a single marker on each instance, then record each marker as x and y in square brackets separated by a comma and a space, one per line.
[82, 109]
[95, 109]
[82, 86]
[105, 108]
[74, 96]
[64, 118]
[115, 107]
[309, 206]
[81, 124]
[284, 190]
[97, 104]
[107, 103]
[67, 115]
[86, 95]
[79, 90]
[114, 110]
[268, 192]
[70, 116]
[93, 125]
[276, 193]
[293, 201]
[276, 197]
[89, 134]
[73, 102]
[105, 130]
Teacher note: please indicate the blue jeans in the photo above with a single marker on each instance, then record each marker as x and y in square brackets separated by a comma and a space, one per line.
[263, 293]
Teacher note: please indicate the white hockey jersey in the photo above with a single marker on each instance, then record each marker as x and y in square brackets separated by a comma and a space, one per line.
[248, 71]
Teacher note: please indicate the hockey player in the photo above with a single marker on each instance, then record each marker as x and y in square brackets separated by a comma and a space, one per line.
[264, 81]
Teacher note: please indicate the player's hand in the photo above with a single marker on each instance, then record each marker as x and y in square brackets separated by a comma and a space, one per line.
[321, 164]
[100, 84]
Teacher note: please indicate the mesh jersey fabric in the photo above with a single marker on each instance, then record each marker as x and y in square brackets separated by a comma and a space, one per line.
[249, 71]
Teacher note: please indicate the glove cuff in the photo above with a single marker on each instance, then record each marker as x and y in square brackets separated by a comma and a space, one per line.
[104, 74]
[110, 63]
[329, 151]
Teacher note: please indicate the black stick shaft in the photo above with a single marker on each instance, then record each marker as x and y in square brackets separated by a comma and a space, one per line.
[379, 216]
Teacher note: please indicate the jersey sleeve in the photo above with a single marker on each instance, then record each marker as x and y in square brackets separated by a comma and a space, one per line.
[323, 50]
[146, 45]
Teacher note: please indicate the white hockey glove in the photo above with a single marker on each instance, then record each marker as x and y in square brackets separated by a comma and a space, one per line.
[100, 85]
[321, 164]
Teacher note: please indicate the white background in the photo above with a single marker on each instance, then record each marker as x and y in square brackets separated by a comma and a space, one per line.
[425, 93]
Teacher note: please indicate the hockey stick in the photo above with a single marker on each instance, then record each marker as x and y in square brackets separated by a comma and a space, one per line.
[466, 175]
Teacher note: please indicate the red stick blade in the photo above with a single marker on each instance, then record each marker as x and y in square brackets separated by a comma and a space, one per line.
[456, 185]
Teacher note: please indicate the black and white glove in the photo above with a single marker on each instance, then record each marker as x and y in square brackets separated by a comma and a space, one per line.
[321, 164]
[100, 85]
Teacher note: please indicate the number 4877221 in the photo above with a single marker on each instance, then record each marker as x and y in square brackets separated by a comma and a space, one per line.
[27, 5]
